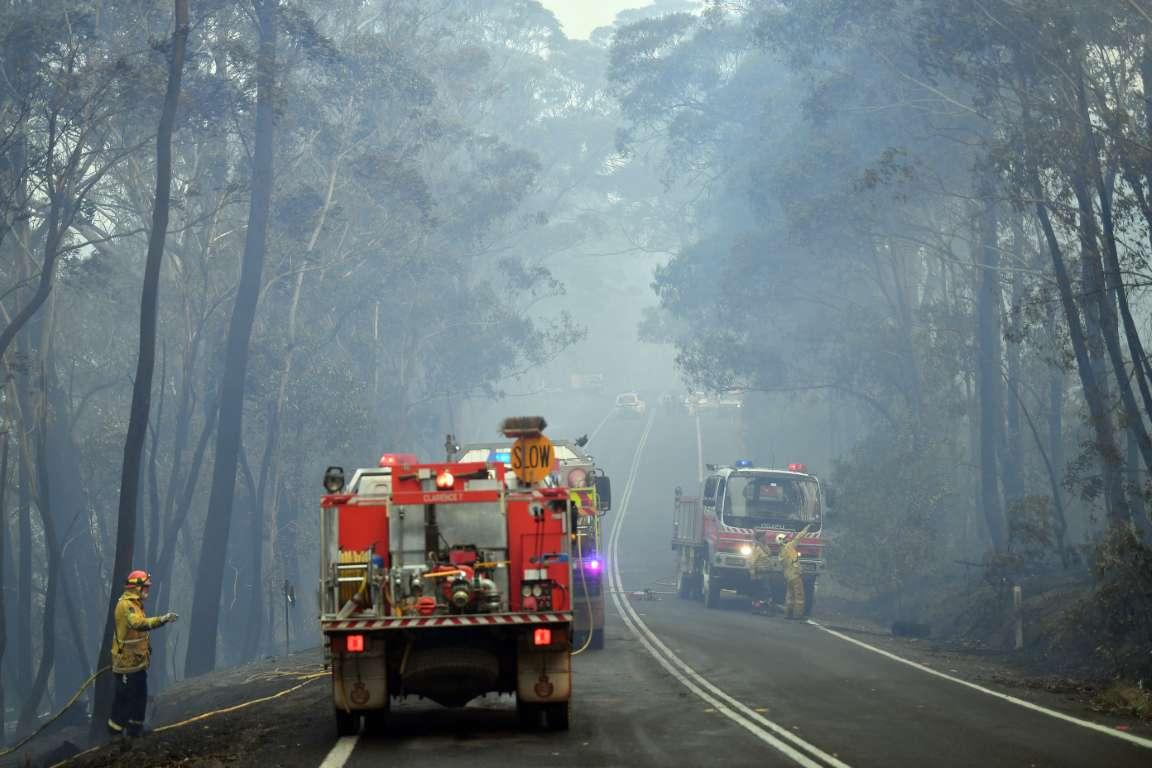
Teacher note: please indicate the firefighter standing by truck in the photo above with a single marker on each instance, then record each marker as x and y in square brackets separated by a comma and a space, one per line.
[790, 560]
[131, 654]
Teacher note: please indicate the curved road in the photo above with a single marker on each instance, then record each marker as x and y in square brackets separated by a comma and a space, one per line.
[679, 685]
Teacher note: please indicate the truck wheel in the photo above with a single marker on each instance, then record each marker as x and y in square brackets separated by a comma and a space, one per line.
[528, 714]
[809, 595]
[597, 643]
[557, 716]
[347, 723]
[711, 589]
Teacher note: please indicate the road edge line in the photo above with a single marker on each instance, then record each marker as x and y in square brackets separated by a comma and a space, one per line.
[735, 710]
[1129, 737]
[340, 752]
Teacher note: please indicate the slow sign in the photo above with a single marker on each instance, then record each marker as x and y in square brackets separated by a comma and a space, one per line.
[532, 458]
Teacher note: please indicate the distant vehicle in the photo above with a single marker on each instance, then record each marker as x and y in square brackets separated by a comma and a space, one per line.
[730, 401]
[587, 382]
[630, 404]
[699, 402]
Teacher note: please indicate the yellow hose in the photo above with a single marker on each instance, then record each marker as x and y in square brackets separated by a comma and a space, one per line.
[587, 600]
[56, 716]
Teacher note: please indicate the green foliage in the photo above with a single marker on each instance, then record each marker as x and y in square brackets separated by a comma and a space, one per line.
[896, 497]
[1119, 612]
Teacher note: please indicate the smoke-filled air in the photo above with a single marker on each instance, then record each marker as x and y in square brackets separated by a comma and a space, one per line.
[623, 383]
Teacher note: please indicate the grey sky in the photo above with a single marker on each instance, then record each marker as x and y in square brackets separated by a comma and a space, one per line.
[580, 17]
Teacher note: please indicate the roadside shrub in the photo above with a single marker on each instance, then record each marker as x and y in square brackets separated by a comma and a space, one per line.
[1119, 611]
[890, 524]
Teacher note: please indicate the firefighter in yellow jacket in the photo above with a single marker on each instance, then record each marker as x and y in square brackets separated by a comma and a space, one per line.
[131, 653]
[790, 560]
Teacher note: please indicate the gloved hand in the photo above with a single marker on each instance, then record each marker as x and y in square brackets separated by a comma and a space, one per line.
[169, 617]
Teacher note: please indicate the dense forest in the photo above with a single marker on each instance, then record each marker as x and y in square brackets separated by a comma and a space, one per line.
[242, 239]
[931, 220]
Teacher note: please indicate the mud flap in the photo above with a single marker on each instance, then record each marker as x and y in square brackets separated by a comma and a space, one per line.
[543, 675]
[359, 680]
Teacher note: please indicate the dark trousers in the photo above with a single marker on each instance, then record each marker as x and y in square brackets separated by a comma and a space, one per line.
[130, 703]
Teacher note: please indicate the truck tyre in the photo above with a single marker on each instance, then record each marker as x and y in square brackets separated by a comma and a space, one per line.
[557, 716]
[711, 589]
[347, 723]
[809, 595]
[597, 643]
[528, 714]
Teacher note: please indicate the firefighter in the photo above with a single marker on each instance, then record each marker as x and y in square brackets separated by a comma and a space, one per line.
[131, 653]
[790, 559]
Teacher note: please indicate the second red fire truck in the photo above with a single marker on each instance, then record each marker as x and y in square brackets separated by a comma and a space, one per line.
[725, 539]
[448, 581]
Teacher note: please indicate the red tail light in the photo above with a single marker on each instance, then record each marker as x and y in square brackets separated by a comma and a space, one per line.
[355, 644]
[542, 636]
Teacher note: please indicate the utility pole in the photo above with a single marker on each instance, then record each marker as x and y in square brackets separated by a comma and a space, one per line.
[289, 601]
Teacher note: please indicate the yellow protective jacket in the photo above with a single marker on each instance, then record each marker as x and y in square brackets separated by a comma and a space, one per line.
[790, 559]
[131, 649]
[790, 555]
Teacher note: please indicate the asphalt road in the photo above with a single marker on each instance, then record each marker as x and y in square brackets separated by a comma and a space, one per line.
[679, 685]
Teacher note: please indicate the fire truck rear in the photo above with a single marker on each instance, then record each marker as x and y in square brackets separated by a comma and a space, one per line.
[590, 490]
[726, 537]
[447, 581]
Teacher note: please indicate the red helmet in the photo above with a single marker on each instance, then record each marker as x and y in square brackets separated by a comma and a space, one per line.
[138, 579]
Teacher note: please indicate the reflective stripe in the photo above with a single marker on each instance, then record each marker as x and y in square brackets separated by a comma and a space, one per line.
[114, 725]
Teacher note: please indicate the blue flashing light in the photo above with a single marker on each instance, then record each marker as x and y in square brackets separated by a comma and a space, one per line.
[500, 457]
[743, 463]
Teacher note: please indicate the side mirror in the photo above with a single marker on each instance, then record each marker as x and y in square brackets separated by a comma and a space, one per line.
[829, 496]
[603, 492]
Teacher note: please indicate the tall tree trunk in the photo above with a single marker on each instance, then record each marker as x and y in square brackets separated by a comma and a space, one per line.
[1013, 456]
[1111, 461]
[210, 565]
[146, 357]
[48, 638]
[163, 576]
[24, 659]
[4, 442]
[991, 391]
[152, 471]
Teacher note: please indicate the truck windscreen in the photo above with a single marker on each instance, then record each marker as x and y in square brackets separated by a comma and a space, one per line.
[771, 501]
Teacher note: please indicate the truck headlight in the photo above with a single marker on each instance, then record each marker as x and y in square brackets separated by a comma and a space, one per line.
[746, 549]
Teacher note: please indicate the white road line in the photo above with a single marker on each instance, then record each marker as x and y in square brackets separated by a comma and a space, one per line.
[771, 733]
[340, 752]
[1138, 740]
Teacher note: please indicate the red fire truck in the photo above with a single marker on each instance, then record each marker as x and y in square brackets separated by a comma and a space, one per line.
[449, 581]
[726, 537]
[591, 492]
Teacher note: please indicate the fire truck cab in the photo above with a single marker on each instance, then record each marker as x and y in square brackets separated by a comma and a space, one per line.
[448, 581]
[725, 538]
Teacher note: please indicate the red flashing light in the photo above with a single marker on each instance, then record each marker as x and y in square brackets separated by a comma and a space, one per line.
[798, 468]
[355, 644]
[393, 459]
[445, 480]
[542, 636]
